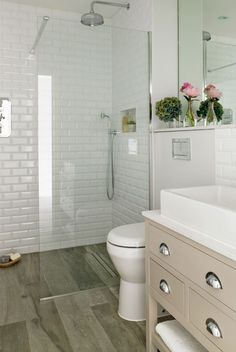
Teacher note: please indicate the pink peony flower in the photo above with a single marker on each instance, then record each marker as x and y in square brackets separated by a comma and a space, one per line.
[189, 91]
[184, 86]
[212, 92]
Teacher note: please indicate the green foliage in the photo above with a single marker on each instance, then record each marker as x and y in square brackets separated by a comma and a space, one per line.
[168, 109]
[203, 108]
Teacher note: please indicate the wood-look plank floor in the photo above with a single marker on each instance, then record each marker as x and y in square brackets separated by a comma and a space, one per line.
[86, 321]
[74, 269]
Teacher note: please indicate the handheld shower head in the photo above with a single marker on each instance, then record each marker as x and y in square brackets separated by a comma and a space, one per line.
[92, 18]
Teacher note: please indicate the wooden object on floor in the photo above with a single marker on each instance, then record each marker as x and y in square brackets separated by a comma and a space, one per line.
[10, 263]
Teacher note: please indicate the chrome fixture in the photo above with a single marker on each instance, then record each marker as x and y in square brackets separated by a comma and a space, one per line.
[105, 116]
[39, 35]
[164, 287]
[206, 37]
[221, 67]
[163, 249]
[213, 281]
[110, 164]
[95, 19]
[213, 328]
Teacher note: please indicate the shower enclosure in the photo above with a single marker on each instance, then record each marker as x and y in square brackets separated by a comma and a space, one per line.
[83, 72]
[221, 58]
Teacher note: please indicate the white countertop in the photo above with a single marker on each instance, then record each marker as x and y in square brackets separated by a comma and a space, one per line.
[199, 237]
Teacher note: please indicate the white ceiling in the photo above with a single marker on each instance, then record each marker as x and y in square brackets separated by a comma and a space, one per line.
[215, 8]
[80, 6]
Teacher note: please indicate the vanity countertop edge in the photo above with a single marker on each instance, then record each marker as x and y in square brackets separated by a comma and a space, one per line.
[191, 234]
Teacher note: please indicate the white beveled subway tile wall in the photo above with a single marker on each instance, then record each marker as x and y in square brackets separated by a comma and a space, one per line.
[130, 91]
[226, 156]
[18, 153]
[79, 61]
[138, 17]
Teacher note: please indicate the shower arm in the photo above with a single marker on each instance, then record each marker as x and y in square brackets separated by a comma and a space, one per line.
[39, 34]
[117, 4]
[221, 67]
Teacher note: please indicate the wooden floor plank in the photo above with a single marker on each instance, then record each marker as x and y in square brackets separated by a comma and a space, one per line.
[14, 338]
[47, 332]
[86, 321]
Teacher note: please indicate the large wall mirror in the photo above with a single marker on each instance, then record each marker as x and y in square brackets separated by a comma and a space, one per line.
[207, 48]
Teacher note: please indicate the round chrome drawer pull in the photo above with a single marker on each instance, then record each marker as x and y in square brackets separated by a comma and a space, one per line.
[213, 328]
[213, 281]
[163, 249]
[164, 287]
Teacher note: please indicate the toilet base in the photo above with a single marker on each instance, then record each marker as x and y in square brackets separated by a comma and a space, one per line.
[132, 302]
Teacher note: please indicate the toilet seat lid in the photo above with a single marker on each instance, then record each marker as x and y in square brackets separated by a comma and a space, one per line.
[128, 236]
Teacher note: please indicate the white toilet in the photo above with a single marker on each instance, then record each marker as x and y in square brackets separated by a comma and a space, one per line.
[126, 247]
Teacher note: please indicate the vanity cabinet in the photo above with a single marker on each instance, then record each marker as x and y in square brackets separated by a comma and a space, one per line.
[196, 285]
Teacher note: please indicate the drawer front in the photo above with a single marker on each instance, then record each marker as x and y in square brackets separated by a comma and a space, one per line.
[214, 324]
[213, 276]
[167, 285]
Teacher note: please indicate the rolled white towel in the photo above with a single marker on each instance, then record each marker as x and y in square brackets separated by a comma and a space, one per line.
[14, 256]
[177, 339]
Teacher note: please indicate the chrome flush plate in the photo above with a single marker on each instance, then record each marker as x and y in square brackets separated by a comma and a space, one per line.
[181, 148]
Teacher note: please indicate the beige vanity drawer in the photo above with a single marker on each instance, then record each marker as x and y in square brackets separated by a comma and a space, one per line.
[209, 320]
[195, 265]
[167, 285]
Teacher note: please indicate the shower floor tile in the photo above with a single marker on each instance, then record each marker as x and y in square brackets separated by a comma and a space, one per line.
[76, 269]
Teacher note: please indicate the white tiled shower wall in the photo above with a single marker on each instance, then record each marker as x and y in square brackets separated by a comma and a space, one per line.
[79, 137]
[130, 91]
[18, 153]
[226, 156]
[79, 61]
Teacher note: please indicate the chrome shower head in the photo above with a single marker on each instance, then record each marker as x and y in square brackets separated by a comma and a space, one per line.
[92, 18]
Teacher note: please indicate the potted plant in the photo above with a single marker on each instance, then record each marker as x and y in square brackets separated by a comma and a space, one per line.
[168, 109]
[204, 107]
[190, 93]
[213, 95]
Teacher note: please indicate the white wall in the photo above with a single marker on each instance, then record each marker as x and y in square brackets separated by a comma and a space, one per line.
[164, 51]
[130, 91]
[175, 173]
[18, 153]
[138, 17]
[222, 146]
[79, 61]
[226, 156]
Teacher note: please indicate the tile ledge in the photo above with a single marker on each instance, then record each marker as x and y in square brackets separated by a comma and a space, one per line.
[199, 128]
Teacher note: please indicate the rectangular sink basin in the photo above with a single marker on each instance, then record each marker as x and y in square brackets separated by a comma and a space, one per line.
[210, 210]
